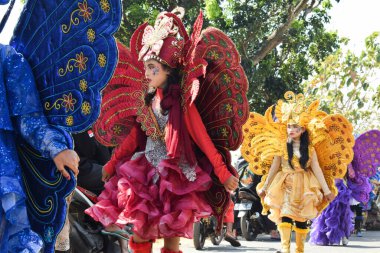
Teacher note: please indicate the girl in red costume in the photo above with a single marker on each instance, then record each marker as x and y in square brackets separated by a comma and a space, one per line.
[158, 175]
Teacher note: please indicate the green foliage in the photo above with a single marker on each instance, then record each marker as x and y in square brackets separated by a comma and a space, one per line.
[291, 62]
[213, 11]
[136, 12]
[349, 84]
[250, 23]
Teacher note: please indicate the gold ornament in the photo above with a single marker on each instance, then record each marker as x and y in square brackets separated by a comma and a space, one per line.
[293, 109]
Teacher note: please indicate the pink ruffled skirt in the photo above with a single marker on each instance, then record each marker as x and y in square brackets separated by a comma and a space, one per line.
[158, 207]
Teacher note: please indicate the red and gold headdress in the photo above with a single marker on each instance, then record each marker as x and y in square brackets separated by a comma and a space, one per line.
[164, 42]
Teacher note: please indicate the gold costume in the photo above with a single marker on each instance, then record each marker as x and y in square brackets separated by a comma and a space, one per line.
[296, 193]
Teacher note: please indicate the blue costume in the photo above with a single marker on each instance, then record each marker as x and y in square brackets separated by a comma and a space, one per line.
[60, 57]
[20, 115]
[372, 195]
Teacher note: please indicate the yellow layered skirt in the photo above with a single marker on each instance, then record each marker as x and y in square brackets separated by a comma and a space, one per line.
[293, 193]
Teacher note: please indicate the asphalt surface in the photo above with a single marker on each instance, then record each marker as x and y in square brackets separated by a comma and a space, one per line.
[369, 243]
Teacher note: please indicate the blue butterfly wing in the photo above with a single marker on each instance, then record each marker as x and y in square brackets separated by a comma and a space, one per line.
[46, 190]
[72, 52]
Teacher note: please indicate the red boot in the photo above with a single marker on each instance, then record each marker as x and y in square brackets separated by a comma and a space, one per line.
[143, 247]
[163, 250]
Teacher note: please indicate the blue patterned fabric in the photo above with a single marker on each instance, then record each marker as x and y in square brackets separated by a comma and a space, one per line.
[376, 176]
[45, 187]
[16, 100]
[73, 54]
[21, 117]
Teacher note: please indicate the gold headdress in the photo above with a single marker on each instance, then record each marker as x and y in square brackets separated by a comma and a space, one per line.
[293, 111]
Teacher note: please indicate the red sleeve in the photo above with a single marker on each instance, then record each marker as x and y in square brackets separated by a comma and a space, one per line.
[198, 133]
[124, 150]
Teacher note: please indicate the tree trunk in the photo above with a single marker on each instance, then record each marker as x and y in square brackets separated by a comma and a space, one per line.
[277, 36]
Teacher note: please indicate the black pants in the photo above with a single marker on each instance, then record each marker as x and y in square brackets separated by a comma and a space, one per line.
[358, 210]
[299, 224]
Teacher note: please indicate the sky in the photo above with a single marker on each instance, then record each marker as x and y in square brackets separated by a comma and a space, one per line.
[6, 34]
[356, 20]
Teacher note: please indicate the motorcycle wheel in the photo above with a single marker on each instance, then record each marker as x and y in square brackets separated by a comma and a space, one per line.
[199, 237]
[217, 239]
[246, 228]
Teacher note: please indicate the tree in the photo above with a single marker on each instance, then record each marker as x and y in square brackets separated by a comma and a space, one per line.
[278, 40]
[136, 12]
[349, 84]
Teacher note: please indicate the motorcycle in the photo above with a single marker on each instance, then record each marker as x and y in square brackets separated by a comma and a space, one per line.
[204, 228]
[248, 205]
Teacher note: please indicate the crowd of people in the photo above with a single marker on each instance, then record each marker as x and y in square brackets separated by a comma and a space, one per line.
[167, 165]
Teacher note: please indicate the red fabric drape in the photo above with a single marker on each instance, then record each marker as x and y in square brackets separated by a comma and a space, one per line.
[177, 137]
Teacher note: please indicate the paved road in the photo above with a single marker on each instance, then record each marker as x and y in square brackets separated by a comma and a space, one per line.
[369, 243]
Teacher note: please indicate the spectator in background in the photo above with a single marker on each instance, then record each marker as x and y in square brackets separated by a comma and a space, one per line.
[93, 156]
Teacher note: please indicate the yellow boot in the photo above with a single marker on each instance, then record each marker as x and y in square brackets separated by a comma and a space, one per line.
[301, 235]
[285, 230]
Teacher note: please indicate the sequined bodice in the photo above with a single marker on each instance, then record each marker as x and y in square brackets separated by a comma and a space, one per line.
[155, 150]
